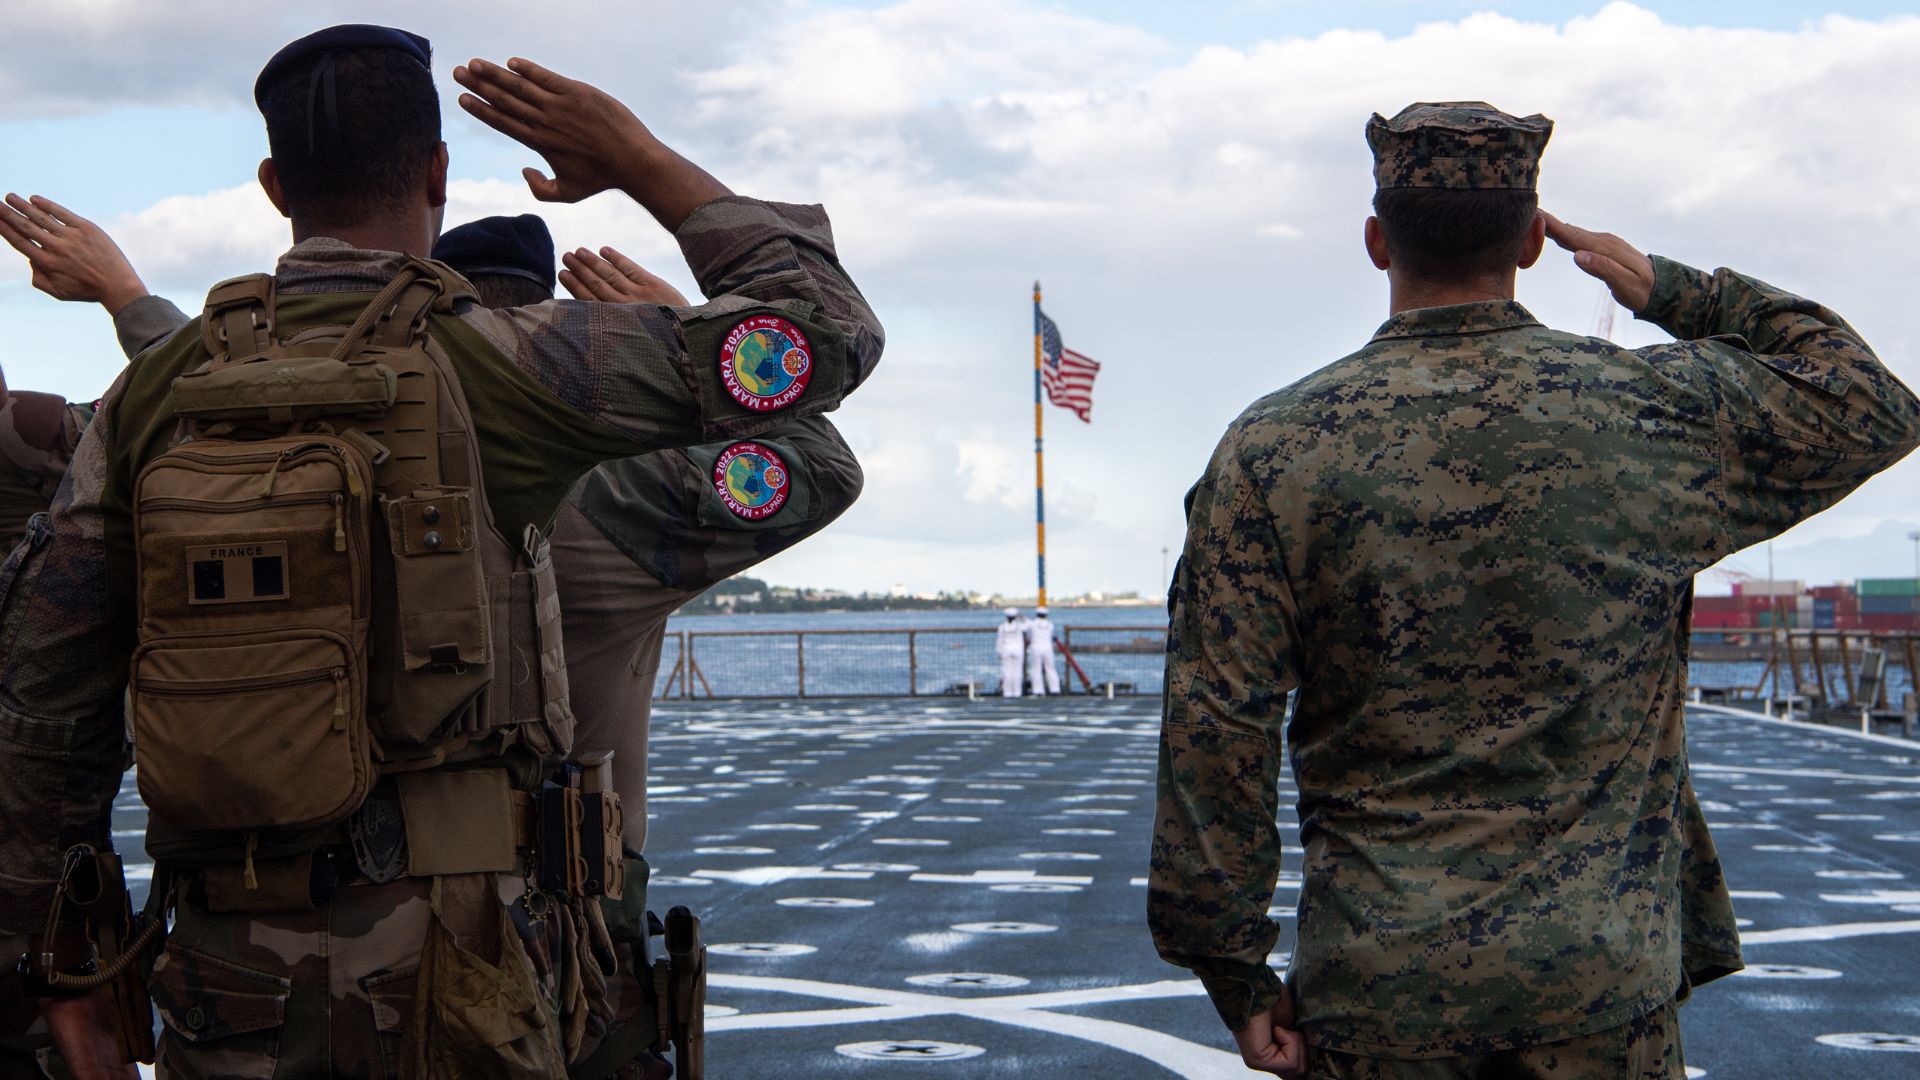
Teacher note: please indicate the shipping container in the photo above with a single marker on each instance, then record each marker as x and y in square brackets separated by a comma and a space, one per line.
[1776, 618]
[1768, 588]
[1825, 621]
[1887, 623]
[1721, 620]
[1903, 586]
[1830, 592]
[1889, 605]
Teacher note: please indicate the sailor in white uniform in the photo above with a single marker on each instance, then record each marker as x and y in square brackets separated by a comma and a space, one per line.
[1011, 644]
[1040, 670]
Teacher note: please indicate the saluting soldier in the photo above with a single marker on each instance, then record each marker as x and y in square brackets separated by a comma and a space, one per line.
[636, 539]
[1468, 549]
[272, 968]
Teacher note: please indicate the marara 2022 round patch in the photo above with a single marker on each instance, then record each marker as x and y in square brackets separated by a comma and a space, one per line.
[751, 480]
[766, 362]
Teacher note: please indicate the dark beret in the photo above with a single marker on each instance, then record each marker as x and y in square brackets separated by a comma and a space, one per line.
[346, 36]
[520, 246]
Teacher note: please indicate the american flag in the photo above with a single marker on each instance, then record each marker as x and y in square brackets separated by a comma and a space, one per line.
[1067, 375]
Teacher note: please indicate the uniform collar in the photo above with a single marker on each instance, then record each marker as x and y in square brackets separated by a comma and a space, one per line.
[323, 264]
[1479, 317]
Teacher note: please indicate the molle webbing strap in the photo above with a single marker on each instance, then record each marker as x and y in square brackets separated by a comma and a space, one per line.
[238, 321]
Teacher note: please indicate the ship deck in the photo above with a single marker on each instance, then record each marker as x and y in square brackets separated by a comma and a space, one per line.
[890, 885]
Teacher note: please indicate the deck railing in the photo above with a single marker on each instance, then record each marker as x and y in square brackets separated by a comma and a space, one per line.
[957, 661]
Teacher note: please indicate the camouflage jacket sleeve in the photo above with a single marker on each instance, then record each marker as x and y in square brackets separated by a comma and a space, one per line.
[1806, 411]
[659, 375]
[671, 511]
[1232, 658]
[38, 433]
[62, 671]
[145, 323]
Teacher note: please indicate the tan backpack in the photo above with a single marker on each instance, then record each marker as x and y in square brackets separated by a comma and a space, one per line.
[323, 598]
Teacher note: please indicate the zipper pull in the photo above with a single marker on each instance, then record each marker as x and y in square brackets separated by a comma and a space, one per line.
[266, 489]
[353, 474]
[339, 699]
[339, 522]
[253, 841]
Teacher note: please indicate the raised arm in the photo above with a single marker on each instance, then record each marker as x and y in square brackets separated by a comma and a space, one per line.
[672, 374]
[1806, 412]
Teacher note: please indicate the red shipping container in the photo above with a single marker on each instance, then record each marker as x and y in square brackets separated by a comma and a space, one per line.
[1891, 621]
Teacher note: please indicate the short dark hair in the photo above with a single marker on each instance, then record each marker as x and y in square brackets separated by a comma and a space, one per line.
[1438, 234]
[509, 290]
[356, 142]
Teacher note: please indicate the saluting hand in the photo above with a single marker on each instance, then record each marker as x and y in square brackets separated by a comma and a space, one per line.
[1269, 1043]
[72, 258]
[590, 140]
[1627, 272]
[616, 279]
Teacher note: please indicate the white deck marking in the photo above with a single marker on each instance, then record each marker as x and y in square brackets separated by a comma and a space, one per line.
[768, 875]
[1188, 1060]
[1878, 896]
[1754, 894]
[1830, 933]
[1002, 877]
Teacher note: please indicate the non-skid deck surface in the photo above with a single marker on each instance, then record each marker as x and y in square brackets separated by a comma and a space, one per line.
[928, 888]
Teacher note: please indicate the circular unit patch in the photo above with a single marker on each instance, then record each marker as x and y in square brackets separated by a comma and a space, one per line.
[751, 480]
[766, 363]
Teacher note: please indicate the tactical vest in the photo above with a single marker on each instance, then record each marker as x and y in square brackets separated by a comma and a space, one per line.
[325, 604]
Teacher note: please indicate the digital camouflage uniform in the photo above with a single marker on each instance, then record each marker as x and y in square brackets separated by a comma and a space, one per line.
[565, 386]
[1470, 548]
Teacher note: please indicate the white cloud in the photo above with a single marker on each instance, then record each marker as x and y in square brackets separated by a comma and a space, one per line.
[1168, 200]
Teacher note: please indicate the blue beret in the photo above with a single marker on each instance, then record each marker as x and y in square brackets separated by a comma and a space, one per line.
[346, 36]
[520, 246]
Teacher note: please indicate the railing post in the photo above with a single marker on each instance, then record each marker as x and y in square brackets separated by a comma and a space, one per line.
[800, 655]
[1819, 670]
[913, 664]
[1846, 671]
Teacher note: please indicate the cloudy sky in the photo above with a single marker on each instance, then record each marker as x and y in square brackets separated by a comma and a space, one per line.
[1181, 176]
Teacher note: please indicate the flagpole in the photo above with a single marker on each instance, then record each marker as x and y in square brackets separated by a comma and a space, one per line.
[1039, 457]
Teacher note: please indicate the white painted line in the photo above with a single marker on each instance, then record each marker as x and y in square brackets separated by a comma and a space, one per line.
[1002, 877]
[1878, 896]
[1187, 1060]
[1754, 894]
[1886, 740]
[768, 875]
[1830, 933]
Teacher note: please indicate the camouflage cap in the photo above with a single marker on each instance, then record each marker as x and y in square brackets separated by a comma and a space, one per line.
[1457, 144]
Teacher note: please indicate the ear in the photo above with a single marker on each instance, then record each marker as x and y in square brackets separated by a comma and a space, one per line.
[1377, 245]
[437, 177]
[1536, 241]
[270, 183]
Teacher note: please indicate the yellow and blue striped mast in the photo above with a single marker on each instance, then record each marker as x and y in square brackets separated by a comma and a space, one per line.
[1039, 457]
